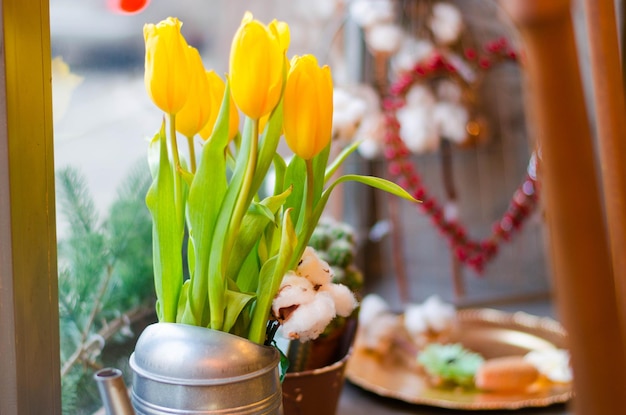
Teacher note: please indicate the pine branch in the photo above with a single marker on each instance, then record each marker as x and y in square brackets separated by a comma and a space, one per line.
[75, 200]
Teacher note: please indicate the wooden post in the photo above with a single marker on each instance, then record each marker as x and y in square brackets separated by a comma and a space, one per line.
[610, 112]
[581, 263]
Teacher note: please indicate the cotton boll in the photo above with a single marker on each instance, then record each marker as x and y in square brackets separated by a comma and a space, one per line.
[316, 270]
[420, 95]
[552, 363]
[370, 149]
[417, 129]
[372, 305]
[451, 120]
[370, 133]
[446, 23]
[451, 211]
[345, 301]
[309, 320]
[369, 12]
[380, 334]
[384, 38]
[347, 114]
[439, 316]
[294, 290]
[415, 319]
[411, 52]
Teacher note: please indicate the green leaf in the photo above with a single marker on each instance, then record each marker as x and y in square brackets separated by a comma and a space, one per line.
[339, 160]
[295, 176]
[224, 235]
[248, 273]
[235, 303]
[206, 193]
[376, 182]
[268, 144]
[319, 170]
[184, 292]
[167, 231]
[252, 227]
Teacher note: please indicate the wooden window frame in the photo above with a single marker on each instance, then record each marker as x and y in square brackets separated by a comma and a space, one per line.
[30, 381]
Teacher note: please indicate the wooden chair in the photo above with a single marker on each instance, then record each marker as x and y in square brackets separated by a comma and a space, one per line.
[584, 187]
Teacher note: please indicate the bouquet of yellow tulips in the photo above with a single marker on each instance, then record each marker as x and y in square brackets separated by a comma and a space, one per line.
[240, 242]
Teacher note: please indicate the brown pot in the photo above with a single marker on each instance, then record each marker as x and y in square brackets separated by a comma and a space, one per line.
[317, 391]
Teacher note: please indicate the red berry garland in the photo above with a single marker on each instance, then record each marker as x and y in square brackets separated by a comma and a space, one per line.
[473, 253]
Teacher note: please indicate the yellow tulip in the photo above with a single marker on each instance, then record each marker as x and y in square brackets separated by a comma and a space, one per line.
[197, 110]
[257, 58]
[308, 107]
[215, 96]
[166, 68]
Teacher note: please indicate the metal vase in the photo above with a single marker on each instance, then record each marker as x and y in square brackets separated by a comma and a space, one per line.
[179, 369]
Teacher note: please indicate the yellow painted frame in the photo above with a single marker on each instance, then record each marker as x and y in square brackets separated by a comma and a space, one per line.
[29, 326]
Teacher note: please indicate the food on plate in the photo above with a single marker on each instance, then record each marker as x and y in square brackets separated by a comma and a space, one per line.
[449, 364]
[506, 374]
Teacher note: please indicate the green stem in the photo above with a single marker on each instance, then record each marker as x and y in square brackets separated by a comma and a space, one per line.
[178, 190]
[308, 212]
[241, 206]
[192, 154]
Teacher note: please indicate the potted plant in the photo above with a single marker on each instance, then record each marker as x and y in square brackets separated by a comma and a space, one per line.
[315, 376]
[222, 249]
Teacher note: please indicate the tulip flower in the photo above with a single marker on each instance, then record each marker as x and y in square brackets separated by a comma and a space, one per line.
[308, 107]
[166, 69]
[215, 96]
[257, 59]
[197, 110]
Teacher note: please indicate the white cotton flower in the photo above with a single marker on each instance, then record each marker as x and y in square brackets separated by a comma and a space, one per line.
[348, 111]
[410, 53]
[380, 334]
[415, 319]
[309, 320]
[446, 23]
[369, 12]
[344, 299]
[370, 149]
[554, 364]
[439, 315]
[420, 95]
[372, 305]
[451, 120]
[451, 211]
[294, 290]
[417, 129]
[433, 315]
[313, 268]
[370, 133]
[384, 38]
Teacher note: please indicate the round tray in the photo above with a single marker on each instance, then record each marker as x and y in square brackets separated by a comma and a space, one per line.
[491, 333]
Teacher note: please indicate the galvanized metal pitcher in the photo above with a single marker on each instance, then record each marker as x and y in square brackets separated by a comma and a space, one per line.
[180, 369]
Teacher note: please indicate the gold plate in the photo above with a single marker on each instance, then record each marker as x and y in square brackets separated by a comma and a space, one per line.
[491, 333]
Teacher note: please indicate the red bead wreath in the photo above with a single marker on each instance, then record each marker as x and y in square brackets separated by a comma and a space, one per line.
[471, 252]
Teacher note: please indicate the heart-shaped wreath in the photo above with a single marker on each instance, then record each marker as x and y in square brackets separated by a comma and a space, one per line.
[475, 253]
